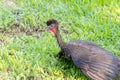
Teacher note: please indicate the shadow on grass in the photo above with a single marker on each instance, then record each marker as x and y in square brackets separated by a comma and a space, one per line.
[70, 70]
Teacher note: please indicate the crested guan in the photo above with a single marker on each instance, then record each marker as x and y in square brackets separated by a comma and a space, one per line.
[95, 62]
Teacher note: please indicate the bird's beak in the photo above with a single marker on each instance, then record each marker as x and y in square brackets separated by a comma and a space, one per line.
[47, 28]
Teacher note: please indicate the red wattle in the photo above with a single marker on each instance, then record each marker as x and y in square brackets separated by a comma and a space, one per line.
[53, 30]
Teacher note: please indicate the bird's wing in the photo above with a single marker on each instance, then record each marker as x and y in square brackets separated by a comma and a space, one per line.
[99, 71]
[95, 62]
[95, 67]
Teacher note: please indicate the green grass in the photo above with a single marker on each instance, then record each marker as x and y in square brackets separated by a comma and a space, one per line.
[23, 57]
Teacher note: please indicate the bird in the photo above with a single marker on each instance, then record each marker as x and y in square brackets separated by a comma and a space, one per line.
[94, 62]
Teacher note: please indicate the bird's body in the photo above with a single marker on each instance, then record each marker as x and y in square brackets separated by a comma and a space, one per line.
[95, 62]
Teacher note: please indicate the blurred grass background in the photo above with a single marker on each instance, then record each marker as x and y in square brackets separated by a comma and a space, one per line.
[24, 57]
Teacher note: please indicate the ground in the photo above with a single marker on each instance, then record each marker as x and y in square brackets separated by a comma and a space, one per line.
[28, 52]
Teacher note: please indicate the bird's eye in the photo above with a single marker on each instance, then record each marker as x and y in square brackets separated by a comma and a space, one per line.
[52, 25]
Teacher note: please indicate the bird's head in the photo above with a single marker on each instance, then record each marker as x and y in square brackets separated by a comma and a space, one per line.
[52, 25]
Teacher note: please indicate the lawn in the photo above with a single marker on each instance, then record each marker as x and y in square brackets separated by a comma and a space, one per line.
[27, 52]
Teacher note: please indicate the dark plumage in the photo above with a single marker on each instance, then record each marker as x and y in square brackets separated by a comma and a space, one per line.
[95, 62]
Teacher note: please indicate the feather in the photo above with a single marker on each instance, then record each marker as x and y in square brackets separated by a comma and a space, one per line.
[99, 71]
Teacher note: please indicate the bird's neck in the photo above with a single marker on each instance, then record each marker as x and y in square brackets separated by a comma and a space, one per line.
[59, 40]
